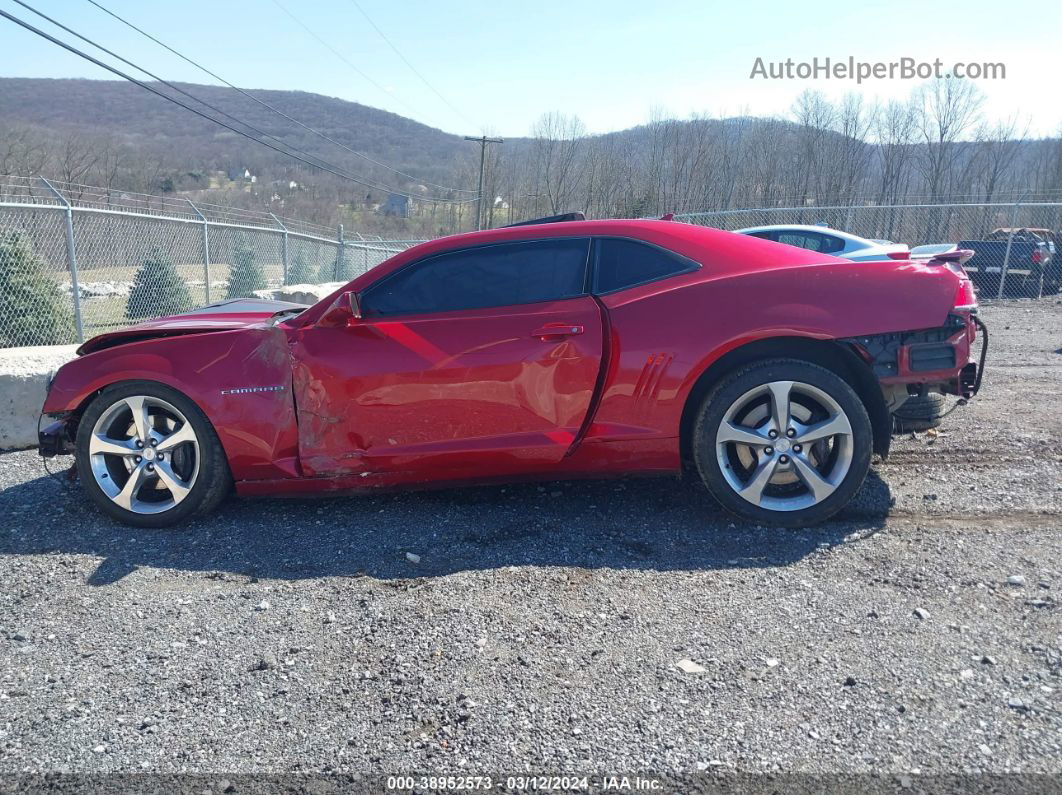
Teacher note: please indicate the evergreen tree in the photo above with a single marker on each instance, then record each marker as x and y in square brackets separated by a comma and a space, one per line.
[300, 272]
[342, 269]
[245, 275]
[332, 271]
[33, 310]
[158, 289]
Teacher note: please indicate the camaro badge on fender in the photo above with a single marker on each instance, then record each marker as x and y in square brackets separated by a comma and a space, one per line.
[243, 390]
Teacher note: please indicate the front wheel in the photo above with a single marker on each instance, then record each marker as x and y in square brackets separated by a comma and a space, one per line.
[783, 442]
[149, 457]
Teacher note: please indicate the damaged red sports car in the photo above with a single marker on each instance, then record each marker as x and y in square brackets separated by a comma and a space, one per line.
[549, 351]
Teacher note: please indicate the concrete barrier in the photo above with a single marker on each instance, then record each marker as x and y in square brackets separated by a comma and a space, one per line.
[308, 294]
[24, 374]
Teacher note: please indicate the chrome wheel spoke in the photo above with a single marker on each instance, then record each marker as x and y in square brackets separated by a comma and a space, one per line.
[178, 488]
[765, 465]
[819, 487]
[179, 436]
[127, 496]
[780, 391]
[753, 490]
[141, 421]
[154, 470]
[837, 424]
[739, 434]
[104, 445]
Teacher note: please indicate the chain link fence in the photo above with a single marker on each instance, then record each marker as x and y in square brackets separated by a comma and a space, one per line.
[76, 260]
[1017, 245]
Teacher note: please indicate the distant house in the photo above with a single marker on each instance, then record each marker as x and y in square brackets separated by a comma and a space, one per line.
[396, 205]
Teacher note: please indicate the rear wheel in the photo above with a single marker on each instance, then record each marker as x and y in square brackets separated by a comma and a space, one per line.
[149, 457]
[783, 442]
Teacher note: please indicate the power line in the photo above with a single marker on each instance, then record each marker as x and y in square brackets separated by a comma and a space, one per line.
[199, 113]
[170, 85]
[340, 56]
[412, 68]
[269, 107]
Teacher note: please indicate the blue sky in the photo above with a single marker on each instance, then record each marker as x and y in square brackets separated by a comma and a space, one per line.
[502, 64]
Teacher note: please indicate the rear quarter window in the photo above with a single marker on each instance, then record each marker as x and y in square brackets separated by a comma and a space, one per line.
[620, 263]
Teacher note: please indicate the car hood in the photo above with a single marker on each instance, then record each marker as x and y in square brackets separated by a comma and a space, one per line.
[223, 316]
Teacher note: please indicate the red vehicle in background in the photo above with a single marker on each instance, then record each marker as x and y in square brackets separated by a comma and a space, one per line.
[551, 350]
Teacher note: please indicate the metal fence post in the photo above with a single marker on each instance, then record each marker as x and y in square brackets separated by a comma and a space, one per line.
[1006, 256]
[206, 251]
[340, 256]
[284, 229]
[71, 257]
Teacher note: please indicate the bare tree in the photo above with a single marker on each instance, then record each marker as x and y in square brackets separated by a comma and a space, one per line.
[557, 139]
[948, 108]
[815, 117]
[847, 153]
[75, 157]
[895, 128]
[996, 149]
[23, 152]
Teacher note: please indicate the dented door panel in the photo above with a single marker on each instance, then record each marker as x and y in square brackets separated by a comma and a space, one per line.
[466, 391]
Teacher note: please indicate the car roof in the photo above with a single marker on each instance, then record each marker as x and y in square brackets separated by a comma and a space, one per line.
[827, 230]
[729, 250]
[726, 253]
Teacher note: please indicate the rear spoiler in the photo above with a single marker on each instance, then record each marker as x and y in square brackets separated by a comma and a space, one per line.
[959, 256]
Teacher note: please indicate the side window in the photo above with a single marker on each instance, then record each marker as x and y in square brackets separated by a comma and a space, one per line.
[831, 244]
[486, 276]
[764, 235]
[622, 263]
[813, 241]
[801, 239]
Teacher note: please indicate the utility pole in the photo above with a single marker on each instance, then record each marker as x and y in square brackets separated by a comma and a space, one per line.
[483, 141]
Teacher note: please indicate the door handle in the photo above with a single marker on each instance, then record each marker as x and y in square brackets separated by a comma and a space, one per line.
[556, 331]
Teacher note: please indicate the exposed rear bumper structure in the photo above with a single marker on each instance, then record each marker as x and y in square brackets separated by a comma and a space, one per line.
[939, 359]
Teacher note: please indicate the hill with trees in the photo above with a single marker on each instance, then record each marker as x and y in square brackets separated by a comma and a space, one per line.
[935, 147]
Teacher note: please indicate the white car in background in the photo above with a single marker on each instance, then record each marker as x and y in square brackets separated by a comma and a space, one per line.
[830, 241]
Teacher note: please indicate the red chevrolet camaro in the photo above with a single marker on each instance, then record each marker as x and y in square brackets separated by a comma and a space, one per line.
[549, 351]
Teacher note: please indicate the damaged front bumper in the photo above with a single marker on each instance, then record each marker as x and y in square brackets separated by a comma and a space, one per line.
[54, 438]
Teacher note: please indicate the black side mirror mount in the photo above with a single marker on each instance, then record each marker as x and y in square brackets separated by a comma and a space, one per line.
[345, 311]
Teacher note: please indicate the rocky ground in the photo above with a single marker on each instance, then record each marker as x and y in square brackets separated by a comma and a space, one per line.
[593, 627]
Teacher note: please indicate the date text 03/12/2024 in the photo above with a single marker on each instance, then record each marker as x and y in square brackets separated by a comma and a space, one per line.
[526, 783]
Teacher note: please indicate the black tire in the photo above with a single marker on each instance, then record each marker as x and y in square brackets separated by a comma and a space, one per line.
[919, 413]
[212, 484]
[730, 389]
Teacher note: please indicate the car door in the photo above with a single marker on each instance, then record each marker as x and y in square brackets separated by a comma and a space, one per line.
[472, 362]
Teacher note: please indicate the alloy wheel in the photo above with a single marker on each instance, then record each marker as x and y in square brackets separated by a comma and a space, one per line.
[784, 445]
[144, 454]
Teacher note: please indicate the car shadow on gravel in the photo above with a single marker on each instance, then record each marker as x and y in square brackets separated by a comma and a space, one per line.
[640, 524]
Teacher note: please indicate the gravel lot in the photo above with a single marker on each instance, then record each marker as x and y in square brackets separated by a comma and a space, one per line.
[542, 627]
